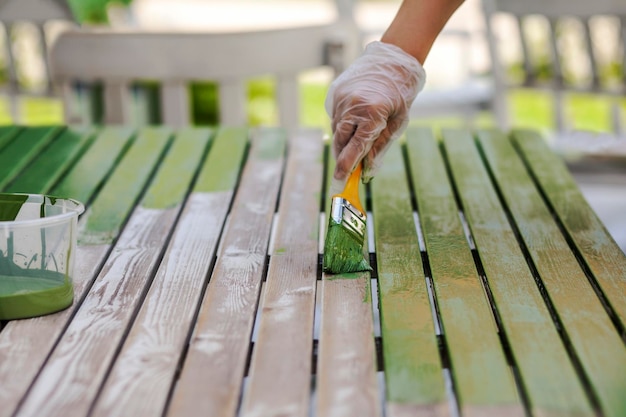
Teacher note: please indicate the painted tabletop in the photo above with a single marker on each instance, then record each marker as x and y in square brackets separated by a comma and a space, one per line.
[495, 290]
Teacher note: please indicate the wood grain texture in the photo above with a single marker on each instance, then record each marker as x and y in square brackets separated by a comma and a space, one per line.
[141, 379]
[280, 370]
[26, 344]
[221, 338]
[548, 375]
[20, 151]
[482, 375]
[589, 328]
[346, 382]
[413, 371]
[600, 252]
[50, 165]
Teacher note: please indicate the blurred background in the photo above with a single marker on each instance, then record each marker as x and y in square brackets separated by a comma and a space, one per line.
[463, 87]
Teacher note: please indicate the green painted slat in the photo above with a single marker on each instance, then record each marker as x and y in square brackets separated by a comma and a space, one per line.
[548, 376]
[173, 179]
[413, 371]
[595, 340]
[94, 165]
[48, 166]
[17, 154]
[482, 376]
[114, 202]
[601, 254]
[7, 134]
[221, 170]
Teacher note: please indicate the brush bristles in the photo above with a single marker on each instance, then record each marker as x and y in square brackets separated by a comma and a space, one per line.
[343, 250]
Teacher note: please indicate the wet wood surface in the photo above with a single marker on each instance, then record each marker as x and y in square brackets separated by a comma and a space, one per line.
[198, 282]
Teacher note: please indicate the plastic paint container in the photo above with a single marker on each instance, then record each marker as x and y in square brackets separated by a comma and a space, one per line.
[37, 249]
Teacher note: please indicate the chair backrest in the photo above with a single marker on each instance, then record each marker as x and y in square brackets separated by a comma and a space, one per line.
[563, 46]
[174, 60]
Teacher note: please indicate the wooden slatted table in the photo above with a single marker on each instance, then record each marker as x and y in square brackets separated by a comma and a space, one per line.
[496, 291]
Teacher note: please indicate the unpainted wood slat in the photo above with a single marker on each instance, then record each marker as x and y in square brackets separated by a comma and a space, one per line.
[592, 335]
[288, 99]
[94, 165]
[25, 344]
[221, 338]
[601, 254]
[141, 378]
[95, 332]
[483, 380]
[280, 370]
[19, 152]
[413, 370]
[47, 167]
[547, 373]
[346, 382]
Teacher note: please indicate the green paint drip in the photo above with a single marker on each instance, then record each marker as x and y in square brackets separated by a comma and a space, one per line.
[342, 252]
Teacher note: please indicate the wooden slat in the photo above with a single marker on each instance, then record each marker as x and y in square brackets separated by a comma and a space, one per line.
[141, 378]
[601, 254]
[346, 381]
[413, 371]
[46, 169]
[8, 133]
[483, 380]
[93, 335]
[548, 376]
[175, 103]
[95, 164]
[221, 338]
[25, 344]
[232, 103]
[17, 154]
[280, 370]
[588, 326]
[117, 102]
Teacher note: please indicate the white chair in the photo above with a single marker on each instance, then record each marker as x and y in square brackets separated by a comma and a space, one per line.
[561, 47]
[40, 14]
[118, 58]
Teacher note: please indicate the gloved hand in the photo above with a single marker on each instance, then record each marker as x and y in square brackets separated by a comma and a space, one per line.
[369, 103]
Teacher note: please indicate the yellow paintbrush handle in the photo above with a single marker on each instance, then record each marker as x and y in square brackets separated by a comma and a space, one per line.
[351, 190]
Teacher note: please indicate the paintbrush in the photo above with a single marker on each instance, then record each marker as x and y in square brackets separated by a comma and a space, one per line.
[343, 247]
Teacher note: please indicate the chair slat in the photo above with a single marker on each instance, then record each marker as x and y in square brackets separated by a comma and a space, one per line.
[175, 103]
[117, 102]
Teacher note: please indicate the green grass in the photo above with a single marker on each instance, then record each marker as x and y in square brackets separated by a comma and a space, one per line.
[529, 109]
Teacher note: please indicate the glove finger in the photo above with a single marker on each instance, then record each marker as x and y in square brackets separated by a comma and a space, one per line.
[357, 148]
[343, 130]
[373, 160]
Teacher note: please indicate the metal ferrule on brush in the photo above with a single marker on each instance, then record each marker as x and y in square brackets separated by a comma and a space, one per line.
[349, 217]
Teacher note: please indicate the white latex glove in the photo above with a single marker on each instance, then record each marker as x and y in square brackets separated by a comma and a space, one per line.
[369, 103]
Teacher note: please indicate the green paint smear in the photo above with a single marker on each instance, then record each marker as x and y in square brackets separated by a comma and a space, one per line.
[342, 253]
[172, 181]
[221, 169]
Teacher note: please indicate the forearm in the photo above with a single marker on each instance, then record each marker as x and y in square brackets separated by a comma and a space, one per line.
[418, 23]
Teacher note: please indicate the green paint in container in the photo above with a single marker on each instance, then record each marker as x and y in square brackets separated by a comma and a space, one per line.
[37, 247]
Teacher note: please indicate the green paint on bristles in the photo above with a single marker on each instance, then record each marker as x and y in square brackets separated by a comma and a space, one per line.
[343, 253]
